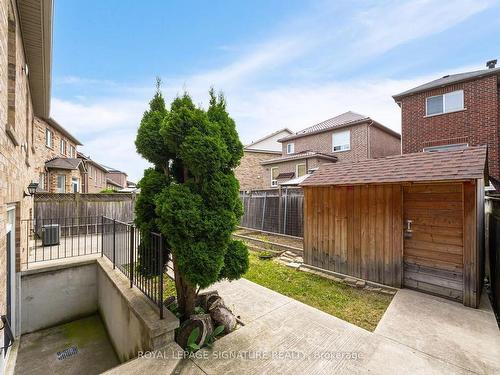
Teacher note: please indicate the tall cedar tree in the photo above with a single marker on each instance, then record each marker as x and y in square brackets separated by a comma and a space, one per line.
[191, 194]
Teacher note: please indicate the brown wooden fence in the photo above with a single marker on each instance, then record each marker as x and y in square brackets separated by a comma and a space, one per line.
[119, 206]
[277, 210]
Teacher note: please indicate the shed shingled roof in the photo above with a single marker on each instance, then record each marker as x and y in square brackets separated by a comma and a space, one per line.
[465, 164]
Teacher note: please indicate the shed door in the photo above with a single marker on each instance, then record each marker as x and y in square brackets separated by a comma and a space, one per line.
[433, 249]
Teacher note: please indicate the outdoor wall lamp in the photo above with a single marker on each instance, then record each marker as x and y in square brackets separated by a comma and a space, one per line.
[31, 189]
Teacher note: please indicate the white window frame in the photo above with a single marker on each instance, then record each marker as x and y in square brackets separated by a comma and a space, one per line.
[297, 169]
[290, 148]
[343, 147]
[75, 181]
[63, 147]
[443, 98]
[72, 151]
[454, 146]
[58, 189]
[41, 181]
[49, 138]
[273, 182]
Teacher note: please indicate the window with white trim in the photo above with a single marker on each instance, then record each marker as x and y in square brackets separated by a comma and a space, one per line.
[48, 138]
[274, 176]
[63, 147]
[75, 184]
[290, 148]
[300, 170]
[41, 181]
[61, 183]
[71, 151]
[449, 102]
[341, 140]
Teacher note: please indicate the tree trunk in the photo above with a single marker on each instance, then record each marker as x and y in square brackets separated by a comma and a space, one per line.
[186, 293]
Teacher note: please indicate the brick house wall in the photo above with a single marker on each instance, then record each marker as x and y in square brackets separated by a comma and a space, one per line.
[119, 177]
[95, 178]
[250, 173]
[382, 143]
[290, 166]
[16, 141]
[477, 124]
[44, 153]
[322, 142]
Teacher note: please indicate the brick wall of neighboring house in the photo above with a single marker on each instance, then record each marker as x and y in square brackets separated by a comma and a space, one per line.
[290, 166]
[68, 174]
[477, 124]
[322, 142]
[382, 143]
[95, 179]
[16, 153]
[44, 153]
[250, 173]
[119, 177]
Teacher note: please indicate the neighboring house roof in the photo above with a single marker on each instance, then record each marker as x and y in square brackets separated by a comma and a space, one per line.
[131, 184]
[448, 80]
[35, 18]
[111, 182]
[89, 160]
[63, 163]
[469, 163]
[112, 170]
[300, 155]
[343, 120]
[59, 128]
[285, 175]
[296, 181]
[260, 146]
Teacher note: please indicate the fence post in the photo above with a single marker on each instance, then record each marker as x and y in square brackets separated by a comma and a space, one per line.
[160, 266]
[114, 242]
[286, 207]
[102, 236]
[263, 211]
[131, 268]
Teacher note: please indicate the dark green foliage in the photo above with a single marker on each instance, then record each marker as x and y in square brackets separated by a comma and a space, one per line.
[191, 196]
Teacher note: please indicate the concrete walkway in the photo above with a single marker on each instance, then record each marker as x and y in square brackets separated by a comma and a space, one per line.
[284, 336]
[468, 338]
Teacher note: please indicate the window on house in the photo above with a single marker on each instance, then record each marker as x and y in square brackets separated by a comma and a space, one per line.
[75, 185]
[341, 141]
[95, 177]
[456, 146]
[274, 176]
[63, 147]
[48, 138]
[449, 102]
[290, 148]
[300, 170]
[61, 183]
[41, 181]
[72, 151]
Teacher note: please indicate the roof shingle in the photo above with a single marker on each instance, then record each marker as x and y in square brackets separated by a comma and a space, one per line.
[468, 163]
[63, 163]
[300, 155]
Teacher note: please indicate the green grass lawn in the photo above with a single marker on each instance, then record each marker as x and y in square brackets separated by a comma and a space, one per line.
[357, 306]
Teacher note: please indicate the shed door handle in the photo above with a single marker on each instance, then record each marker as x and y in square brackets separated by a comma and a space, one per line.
[408, 226]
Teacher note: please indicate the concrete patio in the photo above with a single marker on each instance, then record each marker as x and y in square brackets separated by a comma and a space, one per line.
[282, 336]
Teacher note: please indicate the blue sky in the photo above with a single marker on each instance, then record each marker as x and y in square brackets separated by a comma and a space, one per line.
[280, 63]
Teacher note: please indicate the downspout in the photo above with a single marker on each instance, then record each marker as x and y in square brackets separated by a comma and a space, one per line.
[368, 148]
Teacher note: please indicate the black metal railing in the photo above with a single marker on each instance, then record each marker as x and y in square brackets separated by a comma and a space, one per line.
[56, 238]
[142, 257]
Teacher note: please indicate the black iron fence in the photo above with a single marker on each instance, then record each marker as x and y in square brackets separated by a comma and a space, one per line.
[65, 237]
[277, 210]
[142, 257]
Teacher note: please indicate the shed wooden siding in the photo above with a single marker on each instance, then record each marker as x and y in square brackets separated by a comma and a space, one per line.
[355, 230]
[434, 253]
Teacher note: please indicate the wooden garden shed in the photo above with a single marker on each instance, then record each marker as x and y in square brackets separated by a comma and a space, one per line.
[413, 220]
